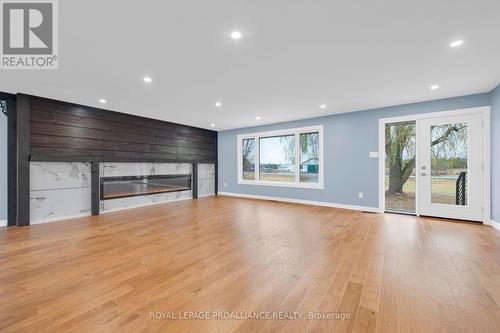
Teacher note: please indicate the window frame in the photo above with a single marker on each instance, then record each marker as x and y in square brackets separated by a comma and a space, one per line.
[292, 131]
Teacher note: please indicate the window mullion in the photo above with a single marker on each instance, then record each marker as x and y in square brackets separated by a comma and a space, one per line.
[257, 159]
[297, 157]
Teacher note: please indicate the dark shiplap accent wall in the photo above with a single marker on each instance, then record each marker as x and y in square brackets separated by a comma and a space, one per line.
[63, 131]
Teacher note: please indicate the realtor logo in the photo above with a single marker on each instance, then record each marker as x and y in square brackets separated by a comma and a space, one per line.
[29, 34]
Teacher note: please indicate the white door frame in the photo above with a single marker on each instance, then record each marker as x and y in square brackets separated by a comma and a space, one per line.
[483, 110]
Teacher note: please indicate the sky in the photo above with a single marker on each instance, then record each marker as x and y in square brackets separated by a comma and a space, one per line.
[271, 151]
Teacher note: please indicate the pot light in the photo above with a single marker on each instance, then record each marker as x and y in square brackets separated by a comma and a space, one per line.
[456, 43]
[102, 101]
[212, 125]
[148, 79]
[434, 87]
[322, 106]
[218, 104]
[258, 117]
[236, 35]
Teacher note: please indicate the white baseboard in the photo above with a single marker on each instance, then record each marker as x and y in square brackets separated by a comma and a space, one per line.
[304, 202]
[495, 225]
[3, 223]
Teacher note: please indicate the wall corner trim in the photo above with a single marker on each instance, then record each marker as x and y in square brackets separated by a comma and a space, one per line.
[303, 202]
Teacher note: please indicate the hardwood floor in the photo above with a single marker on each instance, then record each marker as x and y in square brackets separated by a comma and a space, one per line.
[390, 273]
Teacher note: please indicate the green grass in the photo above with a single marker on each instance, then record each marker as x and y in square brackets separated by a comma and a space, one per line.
[443, 192]
[281, 177]
[273, 177]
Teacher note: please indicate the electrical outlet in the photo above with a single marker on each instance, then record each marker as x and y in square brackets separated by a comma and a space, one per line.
[361, 195]
[225, 185]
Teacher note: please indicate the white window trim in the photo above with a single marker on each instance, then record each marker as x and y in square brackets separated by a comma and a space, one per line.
[291, 131]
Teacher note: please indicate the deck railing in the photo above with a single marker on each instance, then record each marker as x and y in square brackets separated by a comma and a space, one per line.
[461, 190]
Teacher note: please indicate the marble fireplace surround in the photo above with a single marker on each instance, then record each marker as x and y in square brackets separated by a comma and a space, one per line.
[61, 190]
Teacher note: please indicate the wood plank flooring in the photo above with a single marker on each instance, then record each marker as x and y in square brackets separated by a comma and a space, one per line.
[222, 255]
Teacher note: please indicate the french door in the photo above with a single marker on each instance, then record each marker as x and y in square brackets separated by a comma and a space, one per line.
[451, 167]
[435, 165]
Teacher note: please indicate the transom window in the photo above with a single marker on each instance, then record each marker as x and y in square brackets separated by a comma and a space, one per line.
[292, 157]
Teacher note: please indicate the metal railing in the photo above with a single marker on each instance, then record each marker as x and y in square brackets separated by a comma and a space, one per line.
[461, 189]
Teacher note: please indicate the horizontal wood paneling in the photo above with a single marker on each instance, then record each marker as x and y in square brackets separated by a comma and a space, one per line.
[133, 126]
[51, 154]
[101, 134]
[79, 143]
[117, 118]
[64, 131]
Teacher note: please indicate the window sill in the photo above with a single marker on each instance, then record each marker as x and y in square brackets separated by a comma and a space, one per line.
[282, 184]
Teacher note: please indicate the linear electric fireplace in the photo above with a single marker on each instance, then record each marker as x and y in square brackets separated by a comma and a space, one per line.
[131, 186]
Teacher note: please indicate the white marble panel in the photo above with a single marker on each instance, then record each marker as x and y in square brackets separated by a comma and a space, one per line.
[166, 197]
[184, 195]
[172, 168]
[59, 204]
[173, 196]
[127, 169]
[206, 187]
[129, 202]
[59, 175]
[206, 171]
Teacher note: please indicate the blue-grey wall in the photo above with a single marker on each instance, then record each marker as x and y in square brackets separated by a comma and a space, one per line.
[3, 167]
[348, 139]
[495, 154]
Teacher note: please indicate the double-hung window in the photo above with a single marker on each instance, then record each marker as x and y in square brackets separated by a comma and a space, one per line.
[292, 157]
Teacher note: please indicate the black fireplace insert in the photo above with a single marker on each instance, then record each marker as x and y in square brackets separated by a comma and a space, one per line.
[131, 186]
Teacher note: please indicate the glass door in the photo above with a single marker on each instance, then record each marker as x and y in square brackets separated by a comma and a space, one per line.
[450, 171]
[399, 171]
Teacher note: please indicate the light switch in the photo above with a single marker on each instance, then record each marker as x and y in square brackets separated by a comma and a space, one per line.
[373, 154]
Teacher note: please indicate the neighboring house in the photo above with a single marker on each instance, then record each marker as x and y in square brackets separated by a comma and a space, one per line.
[310, 166]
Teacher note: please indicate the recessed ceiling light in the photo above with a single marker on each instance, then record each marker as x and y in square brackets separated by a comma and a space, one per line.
[148, 79]
[434, 87]
[236, 35]
[258, 117]
[323, 106]
[218, 104]
[212, 125]
[102, 101]
[456, 43]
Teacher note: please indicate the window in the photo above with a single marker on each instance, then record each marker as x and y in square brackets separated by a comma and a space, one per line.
[248, 151]
[282, 158]
[277, 158]
[309, 157]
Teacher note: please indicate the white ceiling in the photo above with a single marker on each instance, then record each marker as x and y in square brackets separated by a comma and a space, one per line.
[294, 56]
